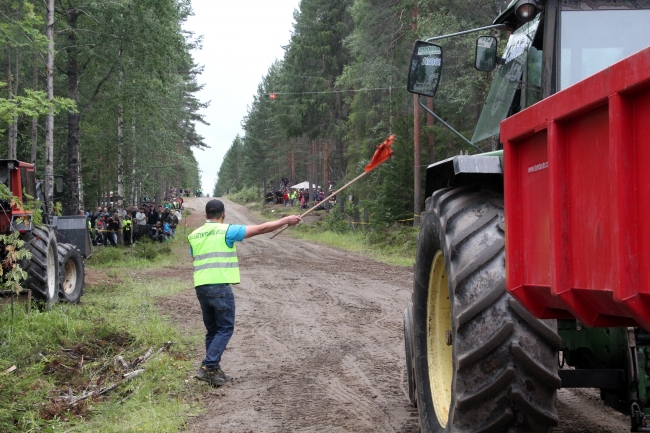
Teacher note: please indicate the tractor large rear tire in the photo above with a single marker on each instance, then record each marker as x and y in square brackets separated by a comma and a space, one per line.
[71, 273]
[42, 269]
[482, 362]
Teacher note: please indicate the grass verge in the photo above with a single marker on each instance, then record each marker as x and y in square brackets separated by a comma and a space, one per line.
[72, 349]
[392, 245]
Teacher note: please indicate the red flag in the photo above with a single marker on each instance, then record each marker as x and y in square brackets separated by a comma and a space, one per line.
[382, 153]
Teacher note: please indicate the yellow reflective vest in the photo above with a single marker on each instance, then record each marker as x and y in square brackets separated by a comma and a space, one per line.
[214, 261]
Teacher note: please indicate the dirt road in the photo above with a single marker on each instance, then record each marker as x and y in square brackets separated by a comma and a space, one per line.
[318, 344]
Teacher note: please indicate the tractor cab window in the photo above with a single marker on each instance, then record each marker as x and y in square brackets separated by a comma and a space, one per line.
[592, 40]
[5, 176]
[531, 84]
[29, 183]
[507, 81]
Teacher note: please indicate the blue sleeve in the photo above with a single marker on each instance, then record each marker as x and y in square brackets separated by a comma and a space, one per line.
[191, 253]
[234, 234]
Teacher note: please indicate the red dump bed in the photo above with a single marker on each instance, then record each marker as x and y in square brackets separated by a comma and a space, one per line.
[577, 199]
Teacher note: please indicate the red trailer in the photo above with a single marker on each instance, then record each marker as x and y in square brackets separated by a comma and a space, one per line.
[577, 199]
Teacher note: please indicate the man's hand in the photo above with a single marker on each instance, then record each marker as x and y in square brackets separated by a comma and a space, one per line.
[292, 220]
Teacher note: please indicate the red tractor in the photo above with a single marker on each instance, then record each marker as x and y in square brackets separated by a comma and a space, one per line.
[56, 269]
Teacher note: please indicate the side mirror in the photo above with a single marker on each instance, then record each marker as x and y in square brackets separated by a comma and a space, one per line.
[486, 53]
[58, 184]
[425, 69]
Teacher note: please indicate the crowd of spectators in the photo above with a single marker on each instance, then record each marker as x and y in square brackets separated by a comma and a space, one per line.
[134, 223]
[290, 196]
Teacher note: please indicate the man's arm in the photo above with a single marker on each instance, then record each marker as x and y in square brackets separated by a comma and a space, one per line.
[291, 220]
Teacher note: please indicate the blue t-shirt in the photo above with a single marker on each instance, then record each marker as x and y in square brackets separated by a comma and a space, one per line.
[235, 233]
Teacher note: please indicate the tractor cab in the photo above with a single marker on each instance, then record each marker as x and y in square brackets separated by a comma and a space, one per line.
[551, 46]
[554, 45]
[19, 178]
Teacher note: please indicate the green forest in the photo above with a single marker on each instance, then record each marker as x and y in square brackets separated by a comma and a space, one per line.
[340, 90]
[100, 96]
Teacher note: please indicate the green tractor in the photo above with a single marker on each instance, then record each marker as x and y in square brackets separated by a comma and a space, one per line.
[533, 262]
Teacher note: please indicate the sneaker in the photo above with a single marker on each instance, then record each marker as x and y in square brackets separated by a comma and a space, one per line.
[214, 379]
[204, 373]
[219, 373]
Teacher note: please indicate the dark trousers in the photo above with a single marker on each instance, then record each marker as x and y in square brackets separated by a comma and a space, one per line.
[218, 308]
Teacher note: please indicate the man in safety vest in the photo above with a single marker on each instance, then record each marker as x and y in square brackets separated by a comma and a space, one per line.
[215, 268]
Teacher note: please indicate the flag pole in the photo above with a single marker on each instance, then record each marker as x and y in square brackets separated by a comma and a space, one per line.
[325, 199]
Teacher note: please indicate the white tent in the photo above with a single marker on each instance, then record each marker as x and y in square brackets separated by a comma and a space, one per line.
[303, 185]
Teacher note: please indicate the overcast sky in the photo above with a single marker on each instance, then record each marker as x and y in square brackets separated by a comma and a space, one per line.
[241, 39]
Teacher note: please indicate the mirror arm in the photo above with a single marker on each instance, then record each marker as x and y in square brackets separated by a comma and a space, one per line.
[466, 32]
[448, 126]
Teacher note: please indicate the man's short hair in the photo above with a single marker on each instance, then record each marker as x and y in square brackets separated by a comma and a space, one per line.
[214, 209]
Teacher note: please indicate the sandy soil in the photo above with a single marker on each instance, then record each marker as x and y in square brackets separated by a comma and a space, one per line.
[318, 344]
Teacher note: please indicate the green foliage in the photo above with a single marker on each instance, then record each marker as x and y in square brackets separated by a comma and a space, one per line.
[11, 274]
[132, 57]
[340, 92]
[394, 245]
[145, 254]
[33, 104]
[246, 195]
[117, 317]
[336, 222]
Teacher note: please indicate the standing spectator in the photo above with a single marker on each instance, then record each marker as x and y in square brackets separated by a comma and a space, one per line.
[127, 226]
[285, 198]
[93, 218]
[141, 224]
[161, 215]
[152, 217]
[172, 219]
[100, 226]
[113, 228]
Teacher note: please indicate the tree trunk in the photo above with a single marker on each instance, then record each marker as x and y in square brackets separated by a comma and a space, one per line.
[81, 184]
[72, 205]
[13, 129]
[34, 122]
[49, 121]
[120, 140]
[310, 172]
[134, 198]
[157, 190]
[326, 170]
[10, 88]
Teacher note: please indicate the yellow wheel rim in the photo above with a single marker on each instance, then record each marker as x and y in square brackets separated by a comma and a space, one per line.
[439, 354]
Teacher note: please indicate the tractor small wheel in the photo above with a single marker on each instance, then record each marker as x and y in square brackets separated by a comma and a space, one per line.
[71, 270]
[42, 269]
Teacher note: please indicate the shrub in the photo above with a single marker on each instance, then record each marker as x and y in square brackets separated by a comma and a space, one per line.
[246, 195]
[336, 221]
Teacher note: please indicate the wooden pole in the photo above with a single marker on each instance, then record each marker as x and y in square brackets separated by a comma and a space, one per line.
[325, 199]
[416, 139]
